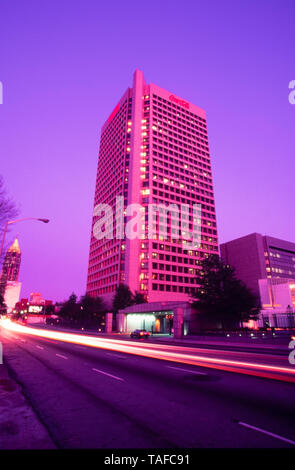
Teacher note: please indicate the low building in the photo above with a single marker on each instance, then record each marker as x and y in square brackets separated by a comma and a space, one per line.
[35, 306]
[278, 303]
[267, 266]
[36, 298]
[157, 317]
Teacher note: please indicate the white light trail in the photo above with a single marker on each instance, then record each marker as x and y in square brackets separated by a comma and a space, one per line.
[159, 352]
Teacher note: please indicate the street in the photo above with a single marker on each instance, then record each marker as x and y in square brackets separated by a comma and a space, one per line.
[105, 397]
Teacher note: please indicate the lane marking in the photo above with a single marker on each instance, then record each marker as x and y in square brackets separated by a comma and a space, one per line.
[276, 436]
[109, 375]
[186, 370]
[60, 355]
[39, 347]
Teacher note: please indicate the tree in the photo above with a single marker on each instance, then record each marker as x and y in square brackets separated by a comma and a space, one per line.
[139, 298]
[3, 308]
[49, 309]
[220, 297]
[89, 311]
[92, 309]
[123, 298]
[70, 308]
[8, 209]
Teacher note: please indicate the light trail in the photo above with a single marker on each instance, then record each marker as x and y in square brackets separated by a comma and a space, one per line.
[158, 352]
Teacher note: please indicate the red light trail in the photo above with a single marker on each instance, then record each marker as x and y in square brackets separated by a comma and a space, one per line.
[163, 352]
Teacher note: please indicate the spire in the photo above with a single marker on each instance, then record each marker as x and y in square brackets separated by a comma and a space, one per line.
[14, 247]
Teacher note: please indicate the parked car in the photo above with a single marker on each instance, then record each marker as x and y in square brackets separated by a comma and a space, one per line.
[139, 334]
[53, 320]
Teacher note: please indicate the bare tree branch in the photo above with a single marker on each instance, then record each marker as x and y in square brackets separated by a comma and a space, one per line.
[8, 208]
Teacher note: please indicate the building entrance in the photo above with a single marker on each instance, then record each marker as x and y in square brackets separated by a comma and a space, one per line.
[154, 322]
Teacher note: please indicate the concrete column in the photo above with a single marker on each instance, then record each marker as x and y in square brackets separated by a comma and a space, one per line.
[178, 322]
[109, 322]
[121, 322]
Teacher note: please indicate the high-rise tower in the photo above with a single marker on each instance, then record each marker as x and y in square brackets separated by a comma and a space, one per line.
[11, 266]
[153, 150]
[9, 285]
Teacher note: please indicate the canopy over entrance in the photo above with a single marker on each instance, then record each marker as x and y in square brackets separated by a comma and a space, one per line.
[156, 317]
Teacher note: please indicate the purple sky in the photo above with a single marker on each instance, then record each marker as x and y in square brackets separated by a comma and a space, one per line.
[64, 65]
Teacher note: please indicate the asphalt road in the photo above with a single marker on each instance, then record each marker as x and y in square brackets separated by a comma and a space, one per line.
[99, 398]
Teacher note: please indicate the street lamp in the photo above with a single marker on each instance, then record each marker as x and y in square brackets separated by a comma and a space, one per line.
[9, 222]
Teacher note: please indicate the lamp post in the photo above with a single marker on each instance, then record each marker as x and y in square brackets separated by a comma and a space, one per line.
[9, 222]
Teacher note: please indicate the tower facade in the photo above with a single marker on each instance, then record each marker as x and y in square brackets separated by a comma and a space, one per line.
[154, 151]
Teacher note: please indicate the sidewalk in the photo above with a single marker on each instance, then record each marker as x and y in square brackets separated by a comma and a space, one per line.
[20, 427]
[195, 342]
